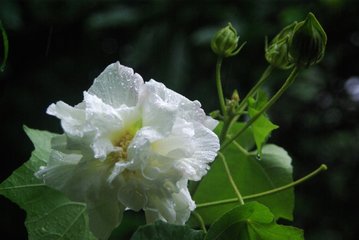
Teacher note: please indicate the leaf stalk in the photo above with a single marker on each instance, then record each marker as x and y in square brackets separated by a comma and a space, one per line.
[321, 168]
[230, 178]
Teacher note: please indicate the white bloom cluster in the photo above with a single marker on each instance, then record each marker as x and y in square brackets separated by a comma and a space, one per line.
[130, 145]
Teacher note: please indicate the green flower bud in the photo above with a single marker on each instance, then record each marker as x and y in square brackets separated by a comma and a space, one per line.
[225, 42]
[307, 44]
[232, 104]
[276, 52]
[235, 96]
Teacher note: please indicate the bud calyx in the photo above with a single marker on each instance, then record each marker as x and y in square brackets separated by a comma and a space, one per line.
[307, 44]
[276, 53]
[225, 42]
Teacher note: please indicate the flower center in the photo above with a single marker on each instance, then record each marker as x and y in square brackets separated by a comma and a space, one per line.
[123, 141]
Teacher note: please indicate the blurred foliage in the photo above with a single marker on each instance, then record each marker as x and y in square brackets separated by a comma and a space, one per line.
[58, 47]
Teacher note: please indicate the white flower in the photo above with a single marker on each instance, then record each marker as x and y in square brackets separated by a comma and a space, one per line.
[130, 145]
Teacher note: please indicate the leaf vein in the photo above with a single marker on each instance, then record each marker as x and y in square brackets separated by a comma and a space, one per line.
[73, 222]
[23, 186]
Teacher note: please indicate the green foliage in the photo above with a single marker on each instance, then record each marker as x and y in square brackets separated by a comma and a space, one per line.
[252, 221]
[262, 127]
[50, 215]
[163, 231]
[251, 176]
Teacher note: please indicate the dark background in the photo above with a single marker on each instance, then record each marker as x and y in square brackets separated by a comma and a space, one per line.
[58, 47]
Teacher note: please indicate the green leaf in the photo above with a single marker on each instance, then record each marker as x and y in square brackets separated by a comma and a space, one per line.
[50, 215]
[262, 127]
[251, 176]
[252, 221]
[245, 139]
[164, 231]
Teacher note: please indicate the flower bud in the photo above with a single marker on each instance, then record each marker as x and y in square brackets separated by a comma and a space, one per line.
[307, 44]
[232, 104]
[277, 51]
[225, 42]
[235, 96]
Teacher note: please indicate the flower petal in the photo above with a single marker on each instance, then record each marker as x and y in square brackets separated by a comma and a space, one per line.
[59, 169]
[72, 119]
[117, 85]
[157, 112]
[205, 147]
[132, 192]
[183, 203]
[162, 106]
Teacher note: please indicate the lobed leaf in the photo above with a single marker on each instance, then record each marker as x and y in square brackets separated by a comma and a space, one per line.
[50, 215]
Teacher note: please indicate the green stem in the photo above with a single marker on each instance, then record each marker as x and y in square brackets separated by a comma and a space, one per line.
[230, 178]
[322, 167]
[242, 105]
[240, 148]
[200, 220]
[279, 93]
[219, 86]
[6, 46]
[260, 82]
[225, 128]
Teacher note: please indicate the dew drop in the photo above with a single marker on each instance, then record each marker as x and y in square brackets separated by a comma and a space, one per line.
[258, 156]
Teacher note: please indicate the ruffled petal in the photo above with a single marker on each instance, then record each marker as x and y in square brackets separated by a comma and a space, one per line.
[117, 85]
[162, 106]
[157, 112]
[170, 206]
[132, 192]
[183, 203]
[72, 119]
[59, 169]
[205, 145]
[164, 206]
